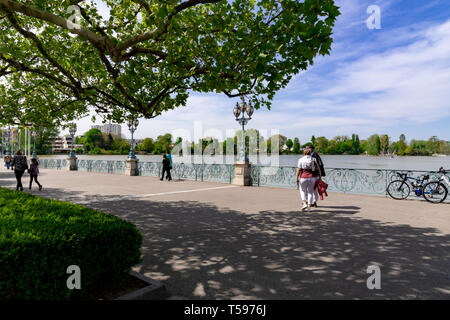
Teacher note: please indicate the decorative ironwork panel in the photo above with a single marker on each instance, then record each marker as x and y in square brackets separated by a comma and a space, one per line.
[189, 171]
[84, 165]
[117, 167]
[57, 164]
[223, 173]
[356, 181]
[281, 177]
[153, 169]
[102, 166]
[186, 171]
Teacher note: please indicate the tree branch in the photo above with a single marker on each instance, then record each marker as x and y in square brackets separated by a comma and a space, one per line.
[135, 51]
[157, 33]
[22, 67]
[98, 41]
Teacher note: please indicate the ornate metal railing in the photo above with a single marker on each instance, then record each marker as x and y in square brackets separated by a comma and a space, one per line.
[102, 166]
[358, 181]
[57, 164]
[188, 171]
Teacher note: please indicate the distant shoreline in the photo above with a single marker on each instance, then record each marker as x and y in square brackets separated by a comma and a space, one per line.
[290, 154]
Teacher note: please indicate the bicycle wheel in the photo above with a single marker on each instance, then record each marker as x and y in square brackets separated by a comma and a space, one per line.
[435, 192]
[398, 189]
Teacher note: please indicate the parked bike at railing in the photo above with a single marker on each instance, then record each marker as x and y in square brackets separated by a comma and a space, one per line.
[436, 191]
[400, 189]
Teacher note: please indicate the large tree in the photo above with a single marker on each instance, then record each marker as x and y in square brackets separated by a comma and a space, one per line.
[374, 145]
[149, 55]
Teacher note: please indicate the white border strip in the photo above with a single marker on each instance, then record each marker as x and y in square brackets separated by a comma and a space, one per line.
[157, 194]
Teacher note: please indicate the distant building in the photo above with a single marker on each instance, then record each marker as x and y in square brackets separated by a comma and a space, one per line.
[114, 129]
[64, 144]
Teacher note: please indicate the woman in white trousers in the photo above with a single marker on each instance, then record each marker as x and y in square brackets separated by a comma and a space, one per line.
[306, 180]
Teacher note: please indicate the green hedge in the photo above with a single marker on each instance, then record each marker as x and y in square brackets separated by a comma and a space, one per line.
[41, 238]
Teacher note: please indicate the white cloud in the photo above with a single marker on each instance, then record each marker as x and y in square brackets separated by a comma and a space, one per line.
[409, 83]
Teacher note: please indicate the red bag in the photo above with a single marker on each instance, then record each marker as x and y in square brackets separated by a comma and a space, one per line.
[321, 186]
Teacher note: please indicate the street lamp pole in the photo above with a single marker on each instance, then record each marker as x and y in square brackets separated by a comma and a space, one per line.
[241, 109]
[132, 125]
[3, 143]
[34, 134]
[9, 140]
[242, 167]
[72, 164]
[72, 131]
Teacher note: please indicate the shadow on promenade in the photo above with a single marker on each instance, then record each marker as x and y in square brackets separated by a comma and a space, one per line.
[201, 251]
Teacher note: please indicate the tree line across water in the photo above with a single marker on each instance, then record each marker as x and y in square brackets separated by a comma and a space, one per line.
[96, 142]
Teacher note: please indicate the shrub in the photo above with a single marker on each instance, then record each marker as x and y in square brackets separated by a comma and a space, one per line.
[41, 238]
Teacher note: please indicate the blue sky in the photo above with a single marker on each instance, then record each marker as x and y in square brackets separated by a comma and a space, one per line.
[388, 81]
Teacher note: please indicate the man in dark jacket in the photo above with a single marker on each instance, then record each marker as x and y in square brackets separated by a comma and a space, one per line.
[166, 168]
[19, 165]
[319, 161]
[317, 173]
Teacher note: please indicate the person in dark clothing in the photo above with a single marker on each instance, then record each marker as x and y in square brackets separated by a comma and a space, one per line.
[318, 173]
[169, 156]
[19, 165]
[34, 172]
[7, 160]
[166, 168]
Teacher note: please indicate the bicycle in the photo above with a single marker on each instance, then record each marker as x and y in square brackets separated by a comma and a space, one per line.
[400, 189]
[436, 191]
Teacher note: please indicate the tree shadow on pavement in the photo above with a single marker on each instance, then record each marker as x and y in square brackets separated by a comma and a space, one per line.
[200, 251]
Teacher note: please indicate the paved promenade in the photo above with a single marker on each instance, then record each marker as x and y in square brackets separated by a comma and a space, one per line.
[217, 241]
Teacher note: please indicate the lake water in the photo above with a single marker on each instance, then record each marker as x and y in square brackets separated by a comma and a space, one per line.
[330, 161]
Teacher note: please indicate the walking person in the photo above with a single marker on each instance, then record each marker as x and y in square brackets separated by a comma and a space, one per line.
[7, 160]
[169, 156]
[19, 165]
[305, 178]
[318, 173]
[34, 172]
[166, 168]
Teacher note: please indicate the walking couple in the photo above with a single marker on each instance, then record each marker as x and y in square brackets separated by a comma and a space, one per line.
[19, 164]
[167, 166]
[310, 169]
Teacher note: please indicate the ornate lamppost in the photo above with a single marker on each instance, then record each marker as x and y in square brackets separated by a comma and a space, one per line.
[132, 125]
[72, 159]
[9, 140]
[72, 131]
[241, 109]
[3, 142]
[242, 166]
[132, 168]
[34, 134]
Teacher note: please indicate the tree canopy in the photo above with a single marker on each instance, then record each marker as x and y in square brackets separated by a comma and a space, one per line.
[149, 55]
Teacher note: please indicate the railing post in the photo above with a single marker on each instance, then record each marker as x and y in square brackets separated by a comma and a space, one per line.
[132, 167]
[386, 184]
[71, 164]
[259, 177]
